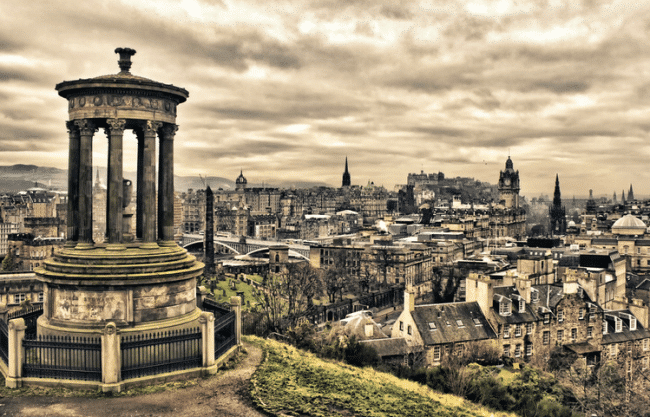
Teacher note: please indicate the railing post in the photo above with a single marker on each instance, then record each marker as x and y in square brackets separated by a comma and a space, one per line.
[206, 320]
[16, 330]
[235, 305]
[111, 359]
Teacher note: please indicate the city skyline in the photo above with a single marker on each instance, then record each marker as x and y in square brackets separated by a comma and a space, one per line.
[287, 91]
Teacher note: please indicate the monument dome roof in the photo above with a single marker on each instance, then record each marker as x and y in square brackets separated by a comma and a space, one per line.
[629, 222]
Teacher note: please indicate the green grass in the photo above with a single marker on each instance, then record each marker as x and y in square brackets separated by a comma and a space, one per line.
[241, 286]
[294, 382]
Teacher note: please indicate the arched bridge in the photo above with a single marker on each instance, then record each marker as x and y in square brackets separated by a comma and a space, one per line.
[233, 244]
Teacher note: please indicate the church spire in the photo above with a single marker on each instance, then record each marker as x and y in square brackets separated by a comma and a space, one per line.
[346, 175]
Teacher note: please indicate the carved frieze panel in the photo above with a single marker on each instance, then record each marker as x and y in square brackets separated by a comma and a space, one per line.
[89, 306]
[127, 102]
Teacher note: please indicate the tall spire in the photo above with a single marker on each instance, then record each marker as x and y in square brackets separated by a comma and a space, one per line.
[346, 175]
[557, 212]
[630, 194]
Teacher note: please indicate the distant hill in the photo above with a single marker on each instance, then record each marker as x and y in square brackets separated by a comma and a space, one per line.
[14, 178]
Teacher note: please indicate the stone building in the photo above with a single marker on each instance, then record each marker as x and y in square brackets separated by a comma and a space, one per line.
[434, 331]
[31, 252]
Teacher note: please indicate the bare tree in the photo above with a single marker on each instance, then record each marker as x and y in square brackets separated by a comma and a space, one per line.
[286, 298]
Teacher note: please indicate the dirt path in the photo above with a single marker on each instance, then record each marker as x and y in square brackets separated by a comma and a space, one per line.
[223, 395]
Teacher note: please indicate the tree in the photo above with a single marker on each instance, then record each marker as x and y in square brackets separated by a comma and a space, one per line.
[339, 274]
[8, 263]
[445, 281]
[286, 298]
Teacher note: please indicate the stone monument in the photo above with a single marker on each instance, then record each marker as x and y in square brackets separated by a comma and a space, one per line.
[145, 281]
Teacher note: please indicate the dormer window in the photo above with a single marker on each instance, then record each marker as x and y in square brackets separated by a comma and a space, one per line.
[432, 326]
[460, 323]
[604, 326]
[619, 325]
[504, 307]
[632, 323]
[560, 316]
[535, 295]
[522, 305]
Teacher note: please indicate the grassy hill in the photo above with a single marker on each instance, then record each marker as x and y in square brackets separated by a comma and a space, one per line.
[294, 382]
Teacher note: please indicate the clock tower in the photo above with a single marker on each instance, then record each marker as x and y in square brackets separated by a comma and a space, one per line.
[509, 186]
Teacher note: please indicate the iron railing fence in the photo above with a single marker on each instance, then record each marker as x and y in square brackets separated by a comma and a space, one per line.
[157, 353]
[225, 335]
[4, 342]
[63, 357]
[30, 315]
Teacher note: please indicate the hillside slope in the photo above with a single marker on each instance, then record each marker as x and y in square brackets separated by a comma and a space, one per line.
[295, 382]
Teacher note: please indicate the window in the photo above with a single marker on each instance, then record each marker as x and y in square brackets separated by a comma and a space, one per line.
[645, 363]
[409, 329]
[646, 344]
[477, 322]
[632, 323]
[604, 326]
[517, 351]
[574, 333]
[506, 350]
[581, 313]
[401, 326]
[506, 331]
[432, 326]
[535, 295]
[560, 335]
[460, 323]
[436, 353]
[560, 316]
[546, 337]
[40, 298]
[19, 298]
[504, 308]
[529, 328]
[518, 330]
[590, 332]
[529, 349]
[619, 325]
[547, 318]
[522, 305]
[612, 350]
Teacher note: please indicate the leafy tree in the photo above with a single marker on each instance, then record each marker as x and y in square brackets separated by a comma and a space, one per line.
[8, 263]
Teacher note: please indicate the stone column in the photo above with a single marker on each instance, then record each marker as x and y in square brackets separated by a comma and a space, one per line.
[86, 131]
[111, 360]
[16, 329]
[115, 188]
[235, 305]
[166, 183]
[140, 183]
[73, 185]
[149, 182]
[207, 333]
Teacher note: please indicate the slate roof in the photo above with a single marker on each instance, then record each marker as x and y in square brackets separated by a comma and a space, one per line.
[625, 335]
[389, 346]
[528, 315]
[451, 323]
[549, 295]
[356, 326]
[644, 285]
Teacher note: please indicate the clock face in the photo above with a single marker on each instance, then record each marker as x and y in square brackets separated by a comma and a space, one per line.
[507, 181]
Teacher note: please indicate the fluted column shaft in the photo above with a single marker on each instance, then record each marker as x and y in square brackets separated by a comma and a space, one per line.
[149, 182]
[86, 131]
[115, 188]
[73, 183]
[140, 183]
[166, 183]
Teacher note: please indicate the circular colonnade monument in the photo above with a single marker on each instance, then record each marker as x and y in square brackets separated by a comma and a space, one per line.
[140, 281]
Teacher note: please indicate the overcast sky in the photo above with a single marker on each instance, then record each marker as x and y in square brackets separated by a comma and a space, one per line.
[285, 90]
